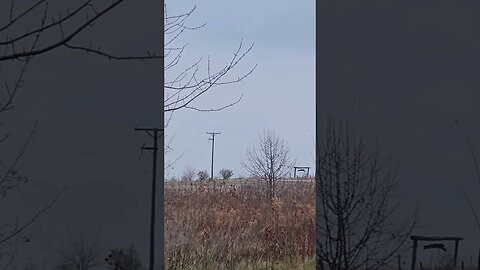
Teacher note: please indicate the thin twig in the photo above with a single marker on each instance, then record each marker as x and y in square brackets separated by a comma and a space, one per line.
[33, 219]
[472, 209]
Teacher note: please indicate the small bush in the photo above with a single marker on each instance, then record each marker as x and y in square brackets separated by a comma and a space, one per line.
[124, 259]
[202, 175]
[188, 174]
[226, 173]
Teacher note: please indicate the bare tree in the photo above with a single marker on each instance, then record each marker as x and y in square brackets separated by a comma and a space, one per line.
[81, 256]
[269, 160]
[356, 223]
[226, 173]
[188, 174]
[173, 179]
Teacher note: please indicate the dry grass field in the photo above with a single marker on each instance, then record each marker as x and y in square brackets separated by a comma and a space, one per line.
[232, 225]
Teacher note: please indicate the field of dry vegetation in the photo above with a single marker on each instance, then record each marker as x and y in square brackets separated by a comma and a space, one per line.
[233, 225]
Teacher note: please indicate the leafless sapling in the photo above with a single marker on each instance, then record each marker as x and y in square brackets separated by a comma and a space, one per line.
[356, 223]
[269, 160]
[188, 174]
[226, 173]
[81, 255]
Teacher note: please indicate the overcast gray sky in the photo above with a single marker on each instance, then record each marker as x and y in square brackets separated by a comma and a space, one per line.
[279, 95]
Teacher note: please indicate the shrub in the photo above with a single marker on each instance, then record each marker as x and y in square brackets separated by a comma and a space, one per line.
[188, 174]
[226, 173]
[202, 175]
[124, 259]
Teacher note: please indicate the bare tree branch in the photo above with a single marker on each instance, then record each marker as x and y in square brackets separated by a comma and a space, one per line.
[30, 47]
[214, 109]
[11, 178]
[147, 56]
[477, 172]
[44, 27]
[20, 229]
[472, 209]
[13, 20]
[62, 41]
[474, 159]
[188, 85]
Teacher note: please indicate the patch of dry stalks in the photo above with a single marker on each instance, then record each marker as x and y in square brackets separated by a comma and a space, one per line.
[225, 225]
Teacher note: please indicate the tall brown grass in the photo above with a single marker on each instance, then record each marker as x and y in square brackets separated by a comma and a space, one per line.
[233, 225]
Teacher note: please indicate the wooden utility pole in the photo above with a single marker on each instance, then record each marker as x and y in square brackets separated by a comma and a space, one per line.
[213, 145]
[154, 133]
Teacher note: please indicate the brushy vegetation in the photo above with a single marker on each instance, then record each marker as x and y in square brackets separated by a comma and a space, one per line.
[232, 225]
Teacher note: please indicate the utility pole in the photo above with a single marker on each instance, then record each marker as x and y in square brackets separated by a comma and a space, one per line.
[213, 145]
[154, 133]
